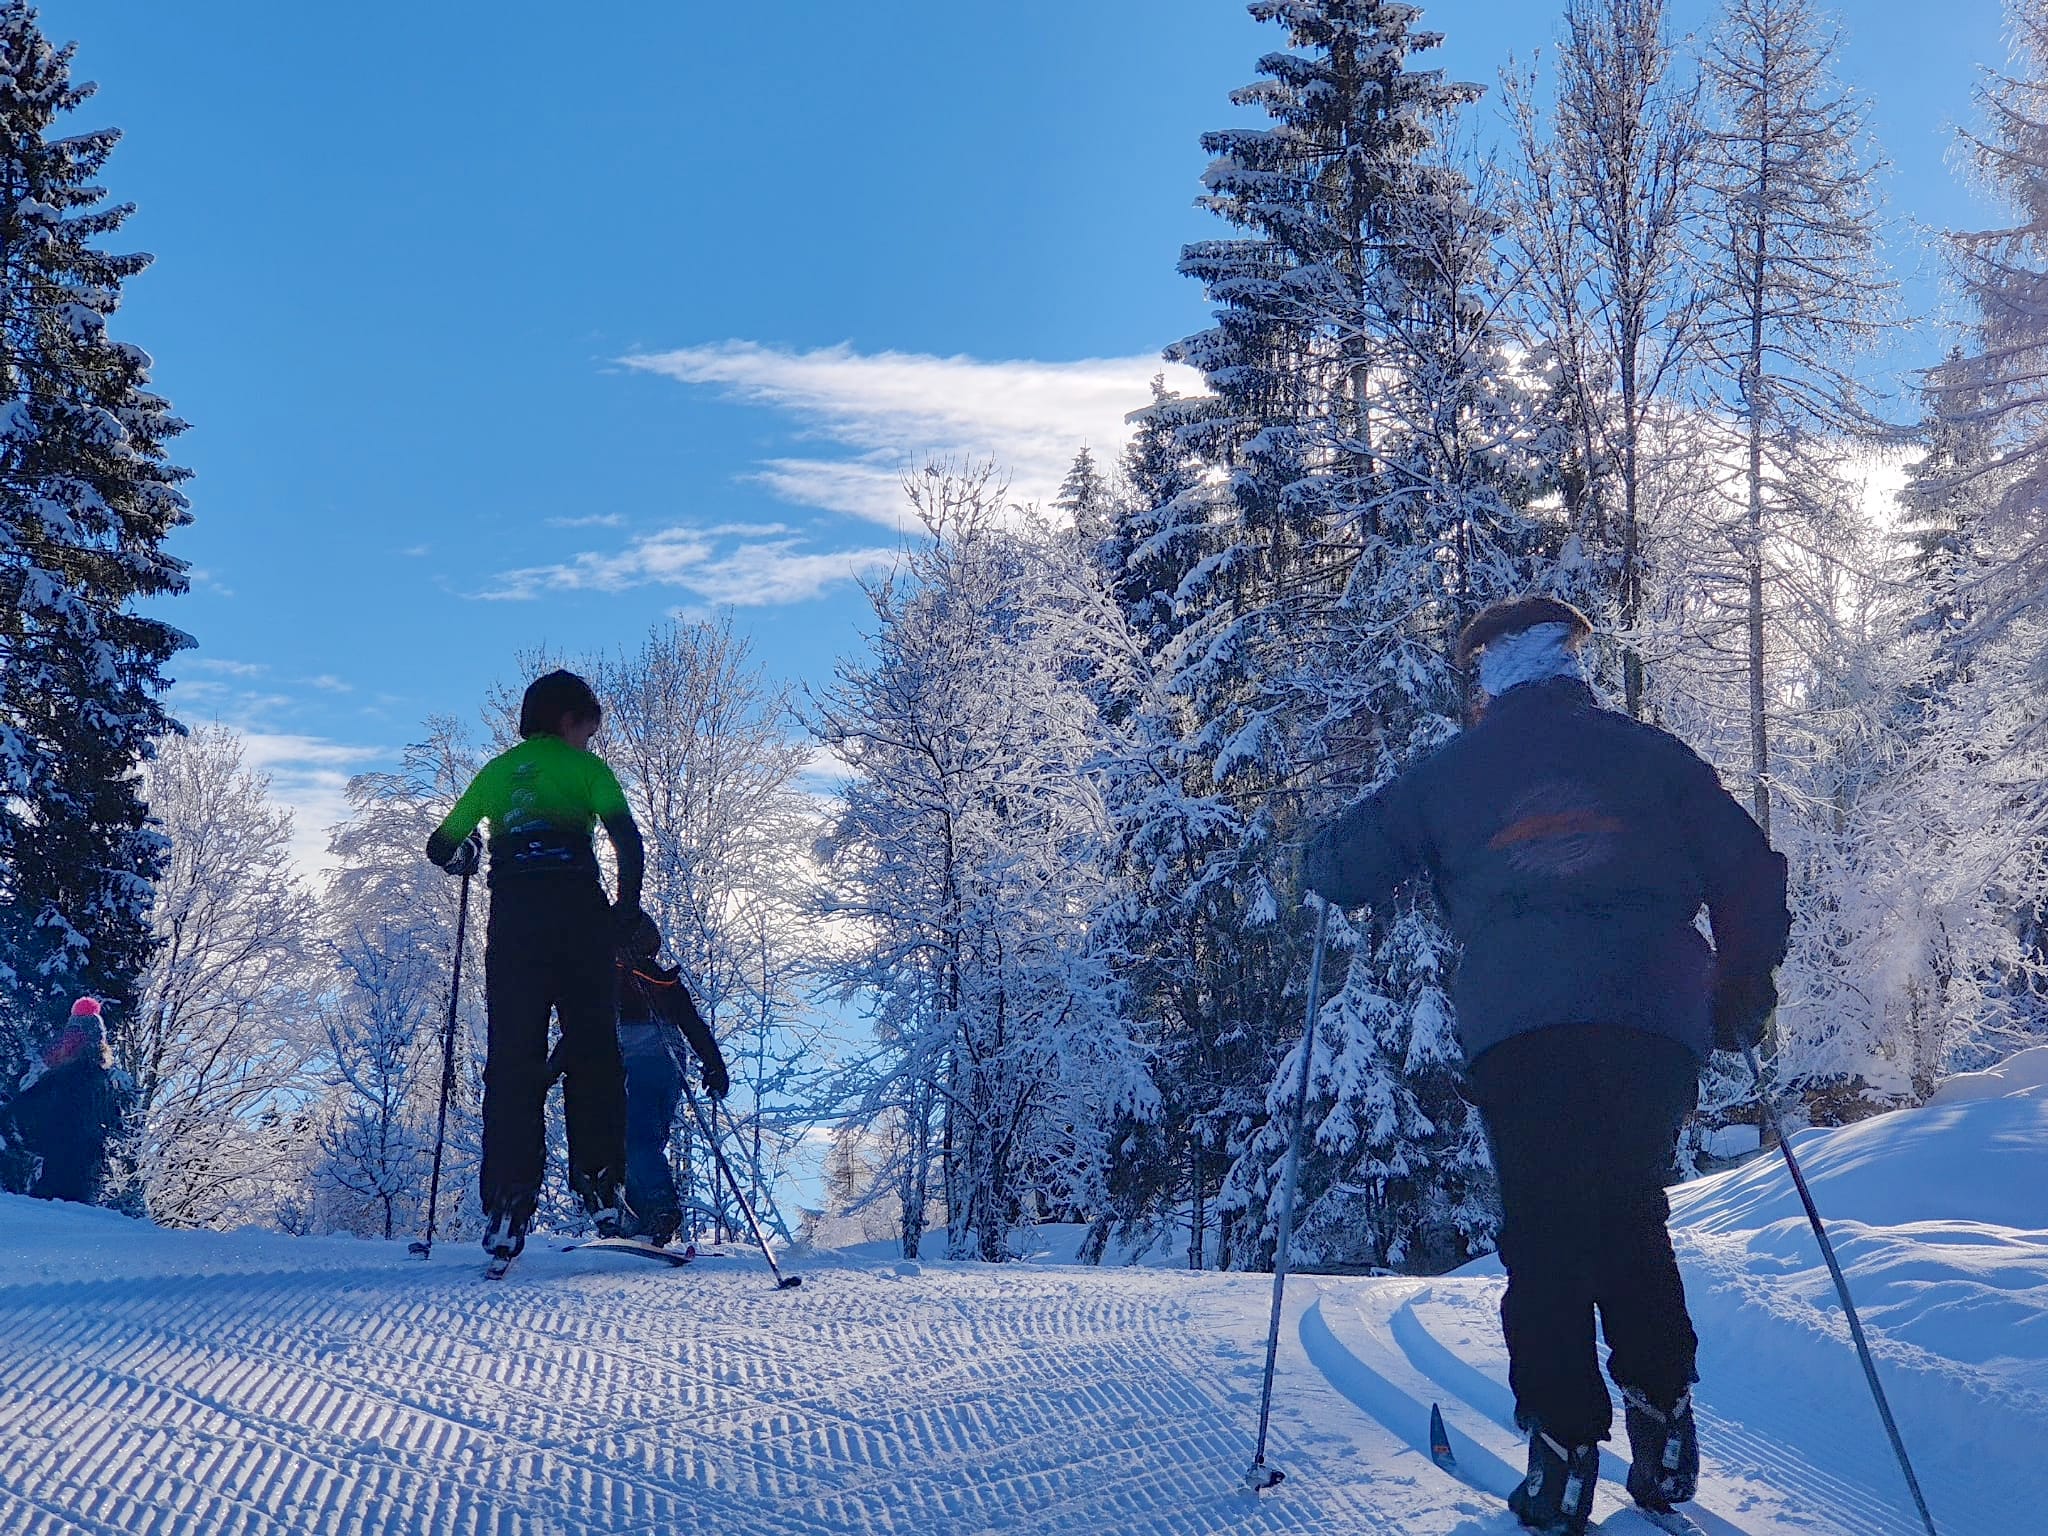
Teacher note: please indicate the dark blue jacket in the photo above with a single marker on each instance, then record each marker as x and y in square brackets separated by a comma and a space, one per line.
[67, 1118]
[1571, 849]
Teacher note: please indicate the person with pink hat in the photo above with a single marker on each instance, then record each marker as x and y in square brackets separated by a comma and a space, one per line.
[70, 1109]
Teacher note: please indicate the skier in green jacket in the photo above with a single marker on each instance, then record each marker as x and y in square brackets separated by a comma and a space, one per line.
[549, 950]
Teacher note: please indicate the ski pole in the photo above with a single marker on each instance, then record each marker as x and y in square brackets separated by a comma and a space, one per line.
[774, 1211]
[425, 1247]
[1258, 1476]
[1827, 1252]
[782, 1282]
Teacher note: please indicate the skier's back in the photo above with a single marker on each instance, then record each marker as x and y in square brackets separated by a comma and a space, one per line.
[70, 1110]
[654, 1009]
[1571, 849]
[549, 950]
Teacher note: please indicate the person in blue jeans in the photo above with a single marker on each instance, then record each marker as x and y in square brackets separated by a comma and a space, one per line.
[654, 1009]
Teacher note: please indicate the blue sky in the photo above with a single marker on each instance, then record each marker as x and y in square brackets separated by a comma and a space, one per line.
[510, 324]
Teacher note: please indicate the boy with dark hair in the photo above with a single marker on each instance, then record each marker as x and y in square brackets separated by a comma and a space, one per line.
[654, 1008]
[549, 950]
[1571, 849]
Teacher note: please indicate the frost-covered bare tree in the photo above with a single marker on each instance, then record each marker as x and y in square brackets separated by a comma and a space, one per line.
[221, 1039]
[383, 894]
[1603, 218]
[1795, 294]
[377, 1132]
[705, 748]
[967, 859]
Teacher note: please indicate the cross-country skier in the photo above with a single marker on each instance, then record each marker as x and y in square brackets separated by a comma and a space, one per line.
[549, 950]
[71, 1106]
[1571, 849]
[654, 1007]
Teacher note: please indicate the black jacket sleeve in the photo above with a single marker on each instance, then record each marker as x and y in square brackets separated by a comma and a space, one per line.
[1362, 857]
[1743, 875]
[679, 1009]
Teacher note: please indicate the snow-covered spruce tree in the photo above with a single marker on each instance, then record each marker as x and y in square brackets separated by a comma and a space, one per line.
[1794, 294]
[1997, 384]
[224, 1030]
[87, 499]
[1363, 428]
[1607, 182]
[1084, 500]
[968, 855]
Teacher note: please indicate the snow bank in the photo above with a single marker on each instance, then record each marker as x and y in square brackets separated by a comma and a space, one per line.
[2025, 1072]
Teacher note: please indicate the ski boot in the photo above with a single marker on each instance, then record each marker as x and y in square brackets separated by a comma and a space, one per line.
[660, 1228]
[605, 1204]
[1556, 1497]
[1664, 1451]
[504, 1238]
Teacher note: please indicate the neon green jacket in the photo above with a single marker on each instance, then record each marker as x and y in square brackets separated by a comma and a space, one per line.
[543, 799]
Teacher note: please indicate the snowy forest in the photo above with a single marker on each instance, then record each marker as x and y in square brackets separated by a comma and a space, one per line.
[1619, 326]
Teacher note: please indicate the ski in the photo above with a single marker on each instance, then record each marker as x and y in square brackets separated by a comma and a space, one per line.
[499, 1263]
[1669, 1520]
[675, 1257]
[1440, 1442]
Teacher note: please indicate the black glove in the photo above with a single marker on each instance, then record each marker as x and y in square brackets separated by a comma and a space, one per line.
[717, 1081]
[468, 856]
[1743, 1005]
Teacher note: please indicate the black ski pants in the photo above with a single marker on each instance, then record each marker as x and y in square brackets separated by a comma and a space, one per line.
[550, 953]
[1584, 1121]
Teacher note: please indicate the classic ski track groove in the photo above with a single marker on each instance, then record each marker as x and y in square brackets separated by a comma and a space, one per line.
[1727, 1444]
[1804, 1492]
[417, 1399]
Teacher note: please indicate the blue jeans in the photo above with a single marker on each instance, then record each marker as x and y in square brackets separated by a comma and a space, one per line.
[654, 1083]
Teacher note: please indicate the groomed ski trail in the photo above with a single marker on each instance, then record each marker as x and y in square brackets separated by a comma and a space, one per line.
[187, 1383]
[179, 1383]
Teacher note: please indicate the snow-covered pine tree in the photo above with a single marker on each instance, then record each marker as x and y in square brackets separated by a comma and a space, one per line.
[1794, 294]
[1608, 177]
[87, 499]
[1997, 383]
[1360, 422]
[1402, 1178]
[1084, 500]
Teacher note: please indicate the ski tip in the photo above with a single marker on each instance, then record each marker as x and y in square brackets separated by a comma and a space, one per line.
[1440, 1441]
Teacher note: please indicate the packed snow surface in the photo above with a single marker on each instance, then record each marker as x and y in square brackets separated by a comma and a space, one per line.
[186, 1383]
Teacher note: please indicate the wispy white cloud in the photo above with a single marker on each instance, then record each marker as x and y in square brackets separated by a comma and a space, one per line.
[594, 520]
[309, 776]
[704, 562]
[229, 668]
[895, 409]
